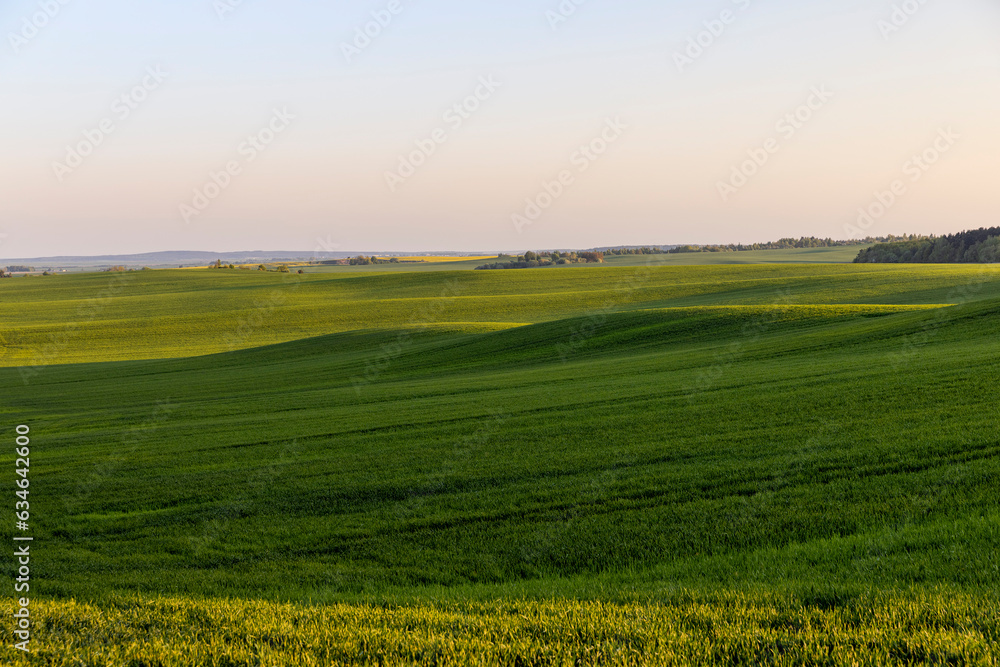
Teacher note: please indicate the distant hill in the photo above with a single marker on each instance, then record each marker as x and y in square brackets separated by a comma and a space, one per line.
[176, 256]
[185, 258]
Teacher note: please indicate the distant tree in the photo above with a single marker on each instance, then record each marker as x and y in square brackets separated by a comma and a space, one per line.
[989, 251]
[975, 246]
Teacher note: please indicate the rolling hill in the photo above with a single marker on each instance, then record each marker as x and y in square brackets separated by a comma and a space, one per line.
[662, 465]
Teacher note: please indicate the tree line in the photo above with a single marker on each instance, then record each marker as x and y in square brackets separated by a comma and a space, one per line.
[781, 244]
[361, 260]
[791, 244]
[533, 260]
[979, 246]
[645, 250]
[218, 264]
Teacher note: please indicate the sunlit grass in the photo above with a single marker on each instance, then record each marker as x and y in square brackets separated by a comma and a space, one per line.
[748, 629]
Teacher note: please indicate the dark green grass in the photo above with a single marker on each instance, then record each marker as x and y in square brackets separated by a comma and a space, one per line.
[825, 450]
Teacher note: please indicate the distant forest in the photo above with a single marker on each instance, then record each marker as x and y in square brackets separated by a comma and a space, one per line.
[790, 243]
[980, 246]
[780, 244]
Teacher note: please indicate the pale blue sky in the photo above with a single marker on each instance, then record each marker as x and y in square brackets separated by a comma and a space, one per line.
[324, 175]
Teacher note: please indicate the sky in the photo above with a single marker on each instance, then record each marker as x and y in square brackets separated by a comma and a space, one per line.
[421, 125]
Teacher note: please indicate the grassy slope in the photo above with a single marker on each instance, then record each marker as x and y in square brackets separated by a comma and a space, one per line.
[402, 267]
[71, 319]
[810, 455]
[663, 438]
[843, 255]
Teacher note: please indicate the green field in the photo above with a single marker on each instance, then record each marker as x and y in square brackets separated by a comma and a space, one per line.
[150, 315]
[652, 464]
[833, 255]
